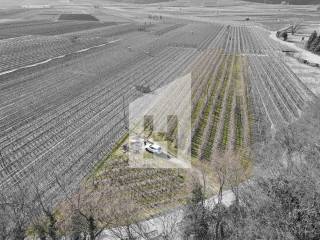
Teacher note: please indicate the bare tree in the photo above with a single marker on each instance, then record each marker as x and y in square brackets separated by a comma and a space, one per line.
[220, 168]
[127, 213]
[84, 213]
[196, 218]
[6, 227]
[20, 212]
[169, 225]
[47, 227]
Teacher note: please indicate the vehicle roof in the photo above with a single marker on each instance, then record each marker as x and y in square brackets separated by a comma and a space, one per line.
[155, 146]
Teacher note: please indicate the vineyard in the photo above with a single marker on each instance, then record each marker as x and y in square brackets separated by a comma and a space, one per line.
[17, 29]
[30, 50]
[79, 121]
[64, 119]
[239, 97]
[221, 115]
[242, 89]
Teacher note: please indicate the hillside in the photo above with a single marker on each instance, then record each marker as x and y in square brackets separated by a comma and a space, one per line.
[296, 2]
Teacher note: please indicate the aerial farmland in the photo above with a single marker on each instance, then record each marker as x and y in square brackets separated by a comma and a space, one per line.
[70, 72]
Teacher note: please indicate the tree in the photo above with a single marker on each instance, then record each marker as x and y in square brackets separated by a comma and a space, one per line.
[312, 37]
[40, 231]
[220, 168]
[196, 218]
[170, 225]
[315, 43]
[317, 48]
[282, 200]
[49, 227]
[126, 212]
[84, 213]
[43, 222]
[91, 210]
[237, 172]
[5, 220]
[20, 212]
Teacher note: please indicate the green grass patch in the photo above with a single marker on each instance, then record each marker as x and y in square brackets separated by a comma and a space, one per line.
[113, 154]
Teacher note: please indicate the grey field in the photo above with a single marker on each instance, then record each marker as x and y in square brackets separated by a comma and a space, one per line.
[233, 85]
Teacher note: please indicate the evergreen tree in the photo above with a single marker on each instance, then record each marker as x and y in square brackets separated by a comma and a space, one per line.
[311, 39]
[197, 215]
[314, 44]
[317, 49]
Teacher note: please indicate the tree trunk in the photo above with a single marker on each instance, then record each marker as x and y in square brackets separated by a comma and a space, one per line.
[52, 230]
[19, 234]
[92, 228]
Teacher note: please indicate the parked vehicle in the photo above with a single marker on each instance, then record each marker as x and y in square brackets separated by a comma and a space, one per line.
[153, 148]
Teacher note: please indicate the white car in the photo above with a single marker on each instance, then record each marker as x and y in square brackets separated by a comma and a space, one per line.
[153, 148]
